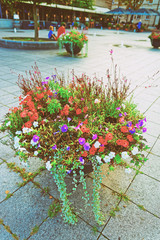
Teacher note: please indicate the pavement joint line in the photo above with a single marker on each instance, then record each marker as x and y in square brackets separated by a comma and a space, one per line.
[151, 105]
[9, 230]
[150, 177]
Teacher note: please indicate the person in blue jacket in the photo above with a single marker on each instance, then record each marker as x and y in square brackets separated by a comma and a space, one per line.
[139, 24]
[51, 35]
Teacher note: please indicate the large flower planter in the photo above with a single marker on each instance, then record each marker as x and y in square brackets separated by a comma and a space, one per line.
[76, 49]
[155, 43]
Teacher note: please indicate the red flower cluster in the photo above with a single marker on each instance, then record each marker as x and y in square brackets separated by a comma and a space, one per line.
[65, 110]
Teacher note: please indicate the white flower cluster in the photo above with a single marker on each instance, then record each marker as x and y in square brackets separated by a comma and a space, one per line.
[48, 166]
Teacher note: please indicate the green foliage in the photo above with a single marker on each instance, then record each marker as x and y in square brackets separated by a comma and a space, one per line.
[54, 208]
[34, 230]
[54, 106]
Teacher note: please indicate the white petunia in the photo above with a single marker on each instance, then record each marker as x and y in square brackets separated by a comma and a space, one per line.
[98, 159]
[8, 123]
[35, 124]
[107, 159]
[22, 149]
[18, 132]
[97, 144]
[35, 153]
[97, 101]
[33, 143]
[16, 139]
[112, 155]
[135, 150]
[124, 155]
[25, 130]
[128, 170]
[48, 165]
[16, 145]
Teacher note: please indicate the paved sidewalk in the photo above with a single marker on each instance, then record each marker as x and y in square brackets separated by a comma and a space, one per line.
[139, 217]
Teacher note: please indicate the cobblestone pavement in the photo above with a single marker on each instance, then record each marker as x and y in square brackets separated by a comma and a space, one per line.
[27, 207]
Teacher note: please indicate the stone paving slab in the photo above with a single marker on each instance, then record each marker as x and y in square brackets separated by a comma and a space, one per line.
[152, 166]
[5, 152]
[8, 181]
[146, 191]
[131, 223]
[108, 202]
[4, 235]
[56, 229]
[46, 180]
[32, 165]
[24, 210]
[156, 148]
[118, 180]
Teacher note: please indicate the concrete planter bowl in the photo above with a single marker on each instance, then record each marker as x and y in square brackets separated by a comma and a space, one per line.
[42, 44]
[155, 43]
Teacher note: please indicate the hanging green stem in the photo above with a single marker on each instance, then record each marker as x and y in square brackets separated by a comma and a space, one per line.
[59, 174]
[96, 196]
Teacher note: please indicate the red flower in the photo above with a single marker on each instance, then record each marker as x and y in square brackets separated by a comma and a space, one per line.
[92, 151]
[84, 154]
[28, 124]
[130, 138]
[39, 96]
[121, 119]
[39, 107]
[124, 129]
[84, 129]
[101, 149]
[70, 100]
[34, 117]
[101, 140]
[109, 136]
[85, 109]
[23, 114]
[86, 121]
[78, 111]
[119, 142]
[125, 143]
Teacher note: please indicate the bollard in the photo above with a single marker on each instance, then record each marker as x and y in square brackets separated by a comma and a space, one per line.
[15, 30]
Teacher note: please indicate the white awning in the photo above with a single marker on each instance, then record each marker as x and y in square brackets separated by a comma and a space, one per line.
[98, 10]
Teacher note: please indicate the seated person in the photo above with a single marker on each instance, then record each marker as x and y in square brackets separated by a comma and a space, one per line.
[61, 30]
[51, 35]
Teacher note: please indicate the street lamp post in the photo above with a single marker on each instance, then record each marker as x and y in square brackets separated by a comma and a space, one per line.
[155, 16]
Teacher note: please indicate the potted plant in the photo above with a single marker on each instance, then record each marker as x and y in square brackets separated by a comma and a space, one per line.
[109, 25]
[73, 41]
[76, 128]
[142, 28]
[117, 26]
[87, 25]
[75, 25]
[126, 27]
[155, 38]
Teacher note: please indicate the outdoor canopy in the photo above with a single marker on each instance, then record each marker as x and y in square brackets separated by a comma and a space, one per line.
[141, 11]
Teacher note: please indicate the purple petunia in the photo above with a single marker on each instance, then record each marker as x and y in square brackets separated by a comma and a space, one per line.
[81, 141]
[132, 131]
[69, 171]
[68, 148]
[35, 138]
[86, 146]
[129, 124]
[81, 160]
[140, 122]
[144, 130]
[54, 147]
[120, 115]
[44, 82]
[118, 108]
[94, 136]
[64, 128]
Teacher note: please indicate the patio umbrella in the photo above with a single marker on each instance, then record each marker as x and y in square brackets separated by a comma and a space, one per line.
[156, 13]
[118, 11]
[144, 11]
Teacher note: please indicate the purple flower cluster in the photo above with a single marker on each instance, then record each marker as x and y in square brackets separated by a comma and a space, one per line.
[64, 128]
[35, 138]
